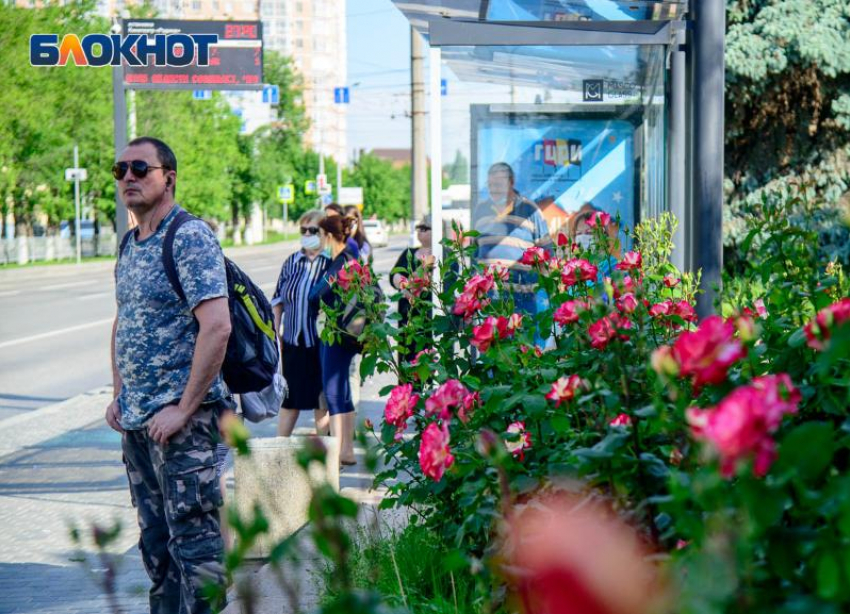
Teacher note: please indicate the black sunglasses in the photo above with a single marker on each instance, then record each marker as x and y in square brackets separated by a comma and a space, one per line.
[423, 228]
[309, 230]
[140, 169]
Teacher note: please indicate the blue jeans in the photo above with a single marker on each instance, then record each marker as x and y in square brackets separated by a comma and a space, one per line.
[336, 363]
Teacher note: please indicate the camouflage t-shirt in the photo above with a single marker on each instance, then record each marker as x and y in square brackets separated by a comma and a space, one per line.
[156, 334]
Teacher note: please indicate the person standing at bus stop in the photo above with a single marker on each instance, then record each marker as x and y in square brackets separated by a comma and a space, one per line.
[509, 224]
[168, 390]
[295, 320]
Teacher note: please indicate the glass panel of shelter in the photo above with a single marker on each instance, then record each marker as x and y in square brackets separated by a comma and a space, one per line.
[577, 127]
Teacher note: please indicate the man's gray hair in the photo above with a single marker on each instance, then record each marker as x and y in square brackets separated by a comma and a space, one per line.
[504, 167]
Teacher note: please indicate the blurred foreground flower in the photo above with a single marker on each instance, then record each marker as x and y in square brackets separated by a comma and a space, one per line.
[819, 330]
[742, 424]
[563, 555]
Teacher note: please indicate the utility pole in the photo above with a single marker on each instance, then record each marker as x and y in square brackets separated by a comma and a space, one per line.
[419, 161]
[77, 202]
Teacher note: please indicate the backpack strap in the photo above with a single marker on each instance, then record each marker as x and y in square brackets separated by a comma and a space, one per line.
[124, 240]
[181, 218]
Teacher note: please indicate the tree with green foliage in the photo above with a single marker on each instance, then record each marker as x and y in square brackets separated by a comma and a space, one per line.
[204, 136]
[458, 171]
[386, 190]
[46, 111]
[788, 108]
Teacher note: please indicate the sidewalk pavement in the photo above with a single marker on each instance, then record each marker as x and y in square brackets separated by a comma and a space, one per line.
[61, 466]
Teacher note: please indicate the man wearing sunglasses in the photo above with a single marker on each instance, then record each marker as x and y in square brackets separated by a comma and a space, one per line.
[166, 361]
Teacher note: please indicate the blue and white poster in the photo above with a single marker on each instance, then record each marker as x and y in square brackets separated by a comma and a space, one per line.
[559, 162]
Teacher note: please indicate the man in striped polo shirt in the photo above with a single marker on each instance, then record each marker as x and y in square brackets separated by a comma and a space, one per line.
[509, 224]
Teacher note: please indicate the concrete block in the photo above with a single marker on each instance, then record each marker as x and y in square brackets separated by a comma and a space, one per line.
[271, 476]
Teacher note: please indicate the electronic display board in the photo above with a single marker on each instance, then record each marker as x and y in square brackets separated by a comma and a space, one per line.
[235, 63]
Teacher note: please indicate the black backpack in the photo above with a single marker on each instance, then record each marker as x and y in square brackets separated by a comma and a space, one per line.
[251, 360]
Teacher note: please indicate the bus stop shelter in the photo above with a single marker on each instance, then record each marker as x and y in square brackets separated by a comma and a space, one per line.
[613, 103]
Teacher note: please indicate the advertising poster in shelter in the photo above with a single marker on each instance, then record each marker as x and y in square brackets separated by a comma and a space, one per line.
[561, 162]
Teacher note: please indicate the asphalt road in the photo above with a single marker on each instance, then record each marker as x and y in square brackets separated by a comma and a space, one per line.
[55, 323]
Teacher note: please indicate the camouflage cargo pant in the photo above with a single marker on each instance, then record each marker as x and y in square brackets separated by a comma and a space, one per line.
[176, 494]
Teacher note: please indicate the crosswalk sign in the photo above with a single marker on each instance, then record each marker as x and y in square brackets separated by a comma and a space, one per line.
[286, 193]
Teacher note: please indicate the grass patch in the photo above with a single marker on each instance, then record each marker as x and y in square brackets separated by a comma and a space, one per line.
[40, 263]
[408, 569]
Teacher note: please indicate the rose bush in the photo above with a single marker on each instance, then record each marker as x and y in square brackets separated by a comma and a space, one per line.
[724, 443]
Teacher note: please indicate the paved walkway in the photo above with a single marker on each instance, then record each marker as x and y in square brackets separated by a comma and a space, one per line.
[61, 466]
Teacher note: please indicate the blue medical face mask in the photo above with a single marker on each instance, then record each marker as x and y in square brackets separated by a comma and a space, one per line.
[584, 241]
[311, 242]
[327, 251]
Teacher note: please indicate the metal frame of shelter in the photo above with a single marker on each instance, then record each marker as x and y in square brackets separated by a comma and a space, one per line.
[694, 101]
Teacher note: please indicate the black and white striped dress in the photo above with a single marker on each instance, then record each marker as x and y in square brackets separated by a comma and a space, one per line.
[301, 366]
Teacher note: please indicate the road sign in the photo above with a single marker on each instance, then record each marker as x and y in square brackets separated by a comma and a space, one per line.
[202, 95]
[444, 87]
[271, 94]
[341, 95]
[310, 187]
[286, 193]
[322, 184]
[76, 173]
[350, 196]
[235, 62]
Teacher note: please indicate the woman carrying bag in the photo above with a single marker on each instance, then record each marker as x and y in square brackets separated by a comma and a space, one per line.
[336, 358]
[295, 322]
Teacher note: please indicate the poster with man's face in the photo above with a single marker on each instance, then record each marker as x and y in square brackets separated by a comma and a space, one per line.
[558, 162]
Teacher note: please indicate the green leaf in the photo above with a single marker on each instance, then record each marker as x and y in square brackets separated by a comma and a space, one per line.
[797, 339]
[560, 424]
[806, 451]
[828, 576]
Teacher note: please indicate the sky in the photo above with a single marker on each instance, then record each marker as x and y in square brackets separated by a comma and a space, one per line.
[378, 75]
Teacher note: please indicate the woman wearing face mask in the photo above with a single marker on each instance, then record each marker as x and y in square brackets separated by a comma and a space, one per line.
[357, 233]
[336, 358]
[582, 234]
[296, 323]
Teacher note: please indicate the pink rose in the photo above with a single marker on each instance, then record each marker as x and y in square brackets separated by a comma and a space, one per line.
[741, 425]
[621, 420]
[627, 303]
[484, 334]
[598, 218]
[670, 281]
[434, 453]
[534, 256]
[563, 240]
[819, 330]
[517, 446]
[400, 405]
[576, 270]
[446, 396]
[469, 404]
[564, 389]
[761, 310]
[664, 308]
[707, 353]
[684, 310]
[631, 261]
[569, 312]
[606, 329]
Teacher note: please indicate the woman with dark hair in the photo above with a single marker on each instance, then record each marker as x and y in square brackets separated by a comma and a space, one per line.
[336, 358]
[409, 262]
[357, 232]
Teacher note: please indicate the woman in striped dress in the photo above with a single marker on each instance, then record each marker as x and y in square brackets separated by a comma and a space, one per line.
[296, 324]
